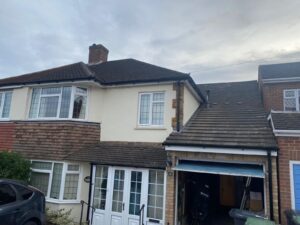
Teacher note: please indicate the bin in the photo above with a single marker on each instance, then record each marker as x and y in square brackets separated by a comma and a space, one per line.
[258, 221]
[240, 216]
[293, 217]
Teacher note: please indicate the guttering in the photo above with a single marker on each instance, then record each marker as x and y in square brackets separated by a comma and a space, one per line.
[280, 80]
[90, 192]
[221, 150]
[283, 133]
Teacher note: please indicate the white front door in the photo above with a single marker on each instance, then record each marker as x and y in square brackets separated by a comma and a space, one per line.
[118, 195]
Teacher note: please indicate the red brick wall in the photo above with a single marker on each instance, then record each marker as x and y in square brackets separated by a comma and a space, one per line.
[289, 150]
[7, 130]
[273, 94]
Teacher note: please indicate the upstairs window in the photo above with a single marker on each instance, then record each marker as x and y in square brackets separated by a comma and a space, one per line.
[291, 100]
[66, 102]
[151, 109]
[5, 101]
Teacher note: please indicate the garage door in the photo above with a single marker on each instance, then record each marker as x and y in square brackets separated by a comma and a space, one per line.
[232, 169]
[296, 185]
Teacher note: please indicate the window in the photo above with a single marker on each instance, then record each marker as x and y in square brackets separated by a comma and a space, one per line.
[151, 109]
[7, 194]
[5, 102]
[291, 100]
[100, 189]
[56, 180]
[135, 192]
[155, 194]
[58, 102]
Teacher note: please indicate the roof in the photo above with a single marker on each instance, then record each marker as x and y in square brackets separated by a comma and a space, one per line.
[106, 73]
[133, 154]
[234, 119]
[282, 70]
[117, 72]
[286, 120]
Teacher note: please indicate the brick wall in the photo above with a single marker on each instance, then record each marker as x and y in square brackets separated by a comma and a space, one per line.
[54, 140]
[273, 94]
[289, 150]
[7, 130]
[171, 179]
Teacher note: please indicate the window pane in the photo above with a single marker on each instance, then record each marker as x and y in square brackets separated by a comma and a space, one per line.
[65, 102]
[56, 180]
[79, 107]
[7, 102]
[71, 186]
[155, 194]
[7, 195]
[158, 97]
[73, 167]
[34, 103]
[145, 109]
[81, 91]
[40, 181]
[135, 192]
[41, 165]
[289, 93]
[100, 188]
[118, 191]
[158, 113]
[49, 106]
[51, 91]
[290, 104]
[1, 99]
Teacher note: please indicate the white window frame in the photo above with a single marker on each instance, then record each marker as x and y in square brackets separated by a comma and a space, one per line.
[62, 184]
[2, 104]
[292, 163]
[296, 92]
[71, 107]
[150, 109]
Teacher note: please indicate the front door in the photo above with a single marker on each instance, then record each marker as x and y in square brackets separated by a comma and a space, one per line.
[118, 194]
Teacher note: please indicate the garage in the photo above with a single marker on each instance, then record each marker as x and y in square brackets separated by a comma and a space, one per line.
[206, 189]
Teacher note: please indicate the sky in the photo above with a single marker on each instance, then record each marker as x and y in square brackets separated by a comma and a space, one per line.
[214, 41]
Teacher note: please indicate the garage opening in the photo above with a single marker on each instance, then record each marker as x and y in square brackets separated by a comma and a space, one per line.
[208, 191]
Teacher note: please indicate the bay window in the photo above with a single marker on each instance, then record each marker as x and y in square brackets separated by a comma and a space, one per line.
[291, 100]
[5, 102]
[67, 102]
[57, 180]
[151, 109]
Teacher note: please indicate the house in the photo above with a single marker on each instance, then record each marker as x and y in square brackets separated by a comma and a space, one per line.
[94, 132]
[125, 134]
[280, 87]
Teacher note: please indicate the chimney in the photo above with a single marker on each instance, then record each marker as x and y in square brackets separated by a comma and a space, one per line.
[97, 54]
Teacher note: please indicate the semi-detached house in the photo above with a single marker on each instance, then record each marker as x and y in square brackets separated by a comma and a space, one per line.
[125, 134]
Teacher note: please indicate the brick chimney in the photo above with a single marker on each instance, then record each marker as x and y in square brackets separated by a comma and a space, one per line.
[97, 54]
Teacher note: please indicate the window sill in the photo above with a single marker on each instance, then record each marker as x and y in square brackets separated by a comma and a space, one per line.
[62, 201]
[150, 128]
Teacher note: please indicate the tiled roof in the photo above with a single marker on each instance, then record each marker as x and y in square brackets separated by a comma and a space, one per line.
[286, 120]
[134, 154]
[235, 119]
[282, 70]
[106, 73]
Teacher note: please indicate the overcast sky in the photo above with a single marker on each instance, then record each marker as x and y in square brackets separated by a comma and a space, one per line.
[215, 41]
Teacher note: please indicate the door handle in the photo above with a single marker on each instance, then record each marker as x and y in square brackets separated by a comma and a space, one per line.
[123, 205]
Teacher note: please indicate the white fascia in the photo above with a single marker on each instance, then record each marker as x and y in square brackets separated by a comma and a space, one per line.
[232, 151]
[281, 80]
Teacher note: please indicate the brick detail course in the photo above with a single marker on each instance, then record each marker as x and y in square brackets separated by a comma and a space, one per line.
[179, 88]
[273, 94]
[7, 130]
[171, 179]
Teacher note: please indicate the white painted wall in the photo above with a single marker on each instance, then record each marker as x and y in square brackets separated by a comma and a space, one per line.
[19, 103]
[190, 104]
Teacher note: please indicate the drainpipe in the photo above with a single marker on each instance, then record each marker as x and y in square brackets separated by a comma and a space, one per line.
[270, 184]
[178, 94]
[90, 192]
[279, 203]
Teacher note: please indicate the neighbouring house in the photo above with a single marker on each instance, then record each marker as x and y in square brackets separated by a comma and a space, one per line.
[125, 134]
[280, 87]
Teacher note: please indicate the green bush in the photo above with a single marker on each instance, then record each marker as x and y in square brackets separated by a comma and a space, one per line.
[59, 217]
[14, 166]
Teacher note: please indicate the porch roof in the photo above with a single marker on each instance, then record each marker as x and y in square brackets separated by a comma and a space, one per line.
[131, 154]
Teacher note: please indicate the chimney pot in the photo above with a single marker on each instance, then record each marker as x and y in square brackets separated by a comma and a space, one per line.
[97, 54]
